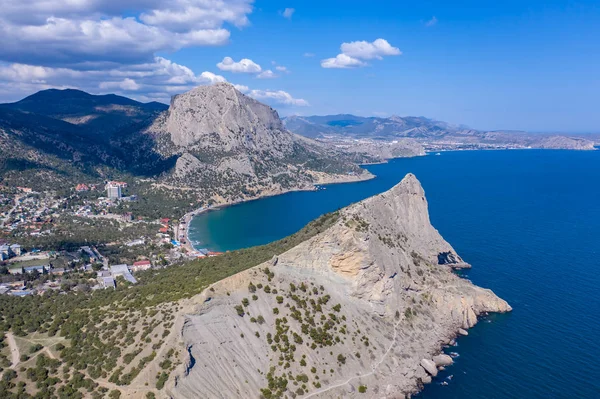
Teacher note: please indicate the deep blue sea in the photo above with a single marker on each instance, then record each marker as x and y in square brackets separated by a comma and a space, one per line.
[529, 223]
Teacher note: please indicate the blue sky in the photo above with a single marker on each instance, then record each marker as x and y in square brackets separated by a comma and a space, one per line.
[490, 65]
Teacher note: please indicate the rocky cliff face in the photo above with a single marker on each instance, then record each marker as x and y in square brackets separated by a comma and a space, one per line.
[369, 301]
[233, 147]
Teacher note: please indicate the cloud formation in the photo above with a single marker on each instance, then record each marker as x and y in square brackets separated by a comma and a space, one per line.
[268, 74]
[111, 46]
[79, 32]
[433, 21]
[245, 65]
[288, 12]
[279, 97]
[354, 54]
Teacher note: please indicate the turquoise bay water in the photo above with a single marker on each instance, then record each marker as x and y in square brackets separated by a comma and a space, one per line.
[528, 222]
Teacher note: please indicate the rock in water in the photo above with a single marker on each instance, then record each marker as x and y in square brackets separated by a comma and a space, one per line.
[429, 366]
[332, 299]
[442, 360]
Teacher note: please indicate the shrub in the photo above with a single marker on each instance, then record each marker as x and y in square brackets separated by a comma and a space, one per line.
[240, 310]
[362, 389]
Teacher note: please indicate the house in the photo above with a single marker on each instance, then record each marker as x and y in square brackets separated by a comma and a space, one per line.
[141, 265]
[90, 253]
[82, 187]
[127, 217]
[165, 220]
[107, 282]
[213, 253]
[5, 250]
[103, 273]
[39, 268]
[122, 270]
[16, 249]
[164, 230]
[113, 191]
[15, 271]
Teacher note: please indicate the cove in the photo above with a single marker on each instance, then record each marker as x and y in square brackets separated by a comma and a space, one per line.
[529, 223]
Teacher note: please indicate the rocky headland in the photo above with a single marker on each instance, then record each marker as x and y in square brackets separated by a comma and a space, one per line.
[364, 307]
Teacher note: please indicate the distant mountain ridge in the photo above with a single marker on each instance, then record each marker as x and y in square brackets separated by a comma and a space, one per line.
[425, 130]
[104, 114]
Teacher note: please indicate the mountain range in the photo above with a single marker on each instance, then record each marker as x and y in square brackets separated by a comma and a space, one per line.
[424, 130]
[213, 140]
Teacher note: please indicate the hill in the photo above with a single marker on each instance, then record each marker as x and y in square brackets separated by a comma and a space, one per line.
[435, 134]
[212, 145]
[100, 115]
[234, 147]
[367, 302]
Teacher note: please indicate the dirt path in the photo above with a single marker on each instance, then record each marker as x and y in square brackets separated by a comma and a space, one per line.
[14, 349]
[373, 367]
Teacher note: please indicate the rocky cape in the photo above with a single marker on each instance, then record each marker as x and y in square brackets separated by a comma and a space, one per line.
[365, 304]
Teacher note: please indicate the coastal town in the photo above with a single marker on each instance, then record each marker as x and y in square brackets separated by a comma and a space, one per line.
[31, 263]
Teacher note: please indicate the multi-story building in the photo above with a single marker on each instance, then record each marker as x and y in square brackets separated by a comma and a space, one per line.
[113, 191]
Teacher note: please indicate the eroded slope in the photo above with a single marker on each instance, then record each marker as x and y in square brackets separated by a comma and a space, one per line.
[360, 305]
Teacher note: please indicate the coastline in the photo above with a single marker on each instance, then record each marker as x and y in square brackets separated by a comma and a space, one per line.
[333, 179]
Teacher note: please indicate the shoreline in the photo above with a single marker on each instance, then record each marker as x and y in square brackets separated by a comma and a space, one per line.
[188, 217]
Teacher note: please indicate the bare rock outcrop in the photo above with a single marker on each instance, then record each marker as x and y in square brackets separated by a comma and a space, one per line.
[369, 301]
[231, 147]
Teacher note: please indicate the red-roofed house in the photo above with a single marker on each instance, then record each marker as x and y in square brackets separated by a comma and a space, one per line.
[164, 230]
[141, 265]
[165, 220]
[82, 187]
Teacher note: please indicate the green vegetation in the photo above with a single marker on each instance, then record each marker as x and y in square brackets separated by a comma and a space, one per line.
[98, 325]
[362, 389]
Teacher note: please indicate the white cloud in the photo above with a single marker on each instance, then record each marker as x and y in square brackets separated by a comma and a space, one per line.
[245, 65]
[278, 97]
[241, 88]
[367, 51]
[126, 84]
[156, 80]
[354, 53]
[209, 77]
[72, 33]
[268, 74]
[433, 21]
[309, 54]
[342, 61]
[281, 68]
[288, 12]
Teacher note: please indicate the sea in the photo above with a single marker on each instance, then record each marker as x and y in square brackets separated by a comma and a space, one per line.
[529, 223]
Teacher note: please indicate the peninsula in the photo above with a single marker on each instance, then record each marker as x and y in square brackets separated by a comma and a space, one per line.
[365, 305]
